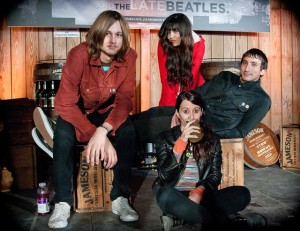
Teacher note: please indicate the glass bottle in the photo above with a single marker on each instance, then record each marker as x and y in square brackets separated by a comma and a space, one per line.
[44, 96]
[51, 96]
[38, 92]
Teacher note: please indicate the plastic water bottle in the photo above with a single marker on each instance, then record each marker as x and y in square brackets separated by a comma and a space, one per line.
[43, 205]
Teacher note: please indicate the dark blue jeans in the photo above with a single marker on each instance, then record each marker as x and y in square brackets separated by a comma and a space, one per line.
[214, 208]
[63, 158]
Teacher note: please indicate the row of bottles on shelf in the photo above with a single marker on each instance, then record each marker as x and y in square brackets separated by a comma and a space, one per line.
[45, 92]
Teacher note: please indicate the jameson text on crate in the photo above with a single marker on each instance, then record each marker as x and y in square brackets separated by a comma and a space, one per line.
[290, 147]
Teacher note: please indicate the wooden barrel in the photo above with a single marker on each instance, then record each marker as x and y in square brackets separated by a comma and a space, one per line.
[47, 71]
[261, 147]
[210, 69]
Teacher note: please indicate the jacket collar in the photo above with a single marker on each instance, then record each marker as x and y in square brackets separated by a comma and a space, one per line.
[97, 62]
[250, 84]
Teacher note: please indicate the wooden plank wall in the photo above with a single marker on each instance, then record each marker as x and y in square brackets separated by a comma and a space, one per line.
[21, 48]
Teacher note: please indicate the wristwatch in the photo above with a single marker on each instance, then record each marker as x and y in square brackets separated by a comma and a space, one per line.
[105, 127]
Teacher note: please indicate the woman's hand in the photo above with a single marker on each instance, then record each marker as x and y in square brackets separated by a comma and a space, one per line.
[187, 131]
[195, 197]
[196, 194]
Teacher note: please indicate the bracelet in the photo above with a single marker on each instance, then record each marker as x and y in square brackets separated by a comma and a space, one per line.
[198, 190]
[106, 128]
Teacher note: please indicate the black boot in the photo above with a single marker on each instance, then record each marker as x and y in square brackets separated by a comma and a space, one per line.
[251, 221]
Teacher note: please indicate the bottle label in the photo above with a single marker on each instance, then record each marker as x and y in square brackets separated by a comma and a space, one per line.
[51, 102]
[43, 205]
[43, 101]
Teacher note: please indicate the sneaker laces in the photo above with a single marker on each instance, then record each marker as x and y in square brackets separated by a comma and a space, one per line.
[169, 221]
[123, 203]
[177, 222]
[61, 210]
[251, 221]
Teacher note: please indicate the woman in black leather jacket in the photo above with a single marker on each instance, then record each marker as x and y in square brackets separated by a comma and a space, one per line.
[189, 173]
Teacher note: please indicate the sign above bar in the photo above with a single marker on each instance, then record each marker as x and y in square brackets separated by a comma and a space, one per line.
[205, 15]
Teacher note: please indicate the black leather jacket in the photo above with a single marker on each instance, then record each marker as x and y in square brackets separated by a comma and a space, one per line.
[233, 108]
[169, 170]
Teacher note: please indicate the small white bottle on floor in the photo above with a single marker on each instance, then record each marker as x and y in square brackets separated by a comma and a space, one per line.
[43, 205]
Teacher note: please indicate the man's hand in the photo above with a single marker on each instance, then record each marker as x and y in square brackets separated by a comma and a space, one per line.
[111, 154]
[100, 148]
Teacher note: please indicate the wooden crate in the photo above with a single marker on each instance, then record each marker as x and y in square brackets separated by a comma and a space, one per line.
[23, 160]
[233, 162]
[92, 188]
[18, 150]
[290, 147]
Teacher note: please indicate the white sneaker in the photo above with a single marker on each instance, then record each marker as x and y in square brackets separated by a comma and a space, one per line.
[120, 206]
[60, 215]
[45, 125]
[39, 140]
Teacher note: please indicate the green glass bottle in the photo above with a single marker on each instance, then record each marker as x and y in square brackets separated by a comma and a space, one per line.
[39, 89]
[51, 95]
[44, 96]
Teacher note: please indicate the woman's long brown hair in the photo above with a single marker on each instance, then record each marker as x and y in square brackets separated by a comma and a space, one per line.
[179, 59]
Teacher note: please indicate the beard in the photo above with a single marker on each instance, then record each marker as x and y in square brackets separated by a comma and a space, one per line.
[110, 52]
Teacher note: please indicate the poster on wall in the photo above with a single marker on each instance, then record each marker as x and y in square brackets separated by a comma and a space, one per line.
[205, 15]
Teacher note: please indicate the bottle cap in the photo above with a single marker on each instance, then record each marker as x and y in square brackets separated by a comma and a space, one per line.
[42, 184]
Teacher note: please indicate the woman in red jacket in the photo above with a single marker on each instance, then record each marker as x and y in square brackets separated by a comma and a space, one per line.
[180, 53]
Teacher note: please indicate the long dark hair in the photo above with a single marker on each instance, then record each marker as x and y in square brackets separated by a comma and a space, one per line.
[205, 147]
[179, 59]
[98, 30]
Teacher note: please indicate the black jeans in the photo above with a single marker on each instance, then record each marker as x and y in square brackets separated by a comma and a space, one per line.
[213, 209]
[63, 158]
[151, 122]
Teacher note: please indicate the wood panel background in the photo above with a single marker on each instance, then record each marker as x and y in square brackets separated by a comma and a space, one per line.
[22, 47]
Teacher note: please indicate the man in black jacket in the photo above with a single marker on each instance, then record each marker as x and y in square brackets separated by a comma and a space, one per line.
[236, 104]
